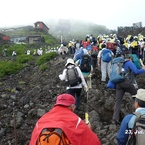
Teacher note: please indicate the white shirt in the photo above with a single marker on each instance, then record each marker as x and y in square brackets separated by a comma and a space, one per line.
[63, 77]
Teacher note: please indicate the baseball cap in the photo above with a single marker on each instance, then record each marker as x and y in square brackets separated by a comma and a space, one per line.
[65, 100]
[141, 94]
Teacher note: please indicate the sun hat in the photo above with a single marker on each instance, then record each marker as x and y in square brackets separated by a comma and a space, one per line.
[65, 100]
[140, 94]
[69, 60]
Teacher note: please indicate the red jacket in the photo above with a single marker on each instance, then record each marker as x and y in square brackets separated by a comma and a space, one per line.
[75, 129]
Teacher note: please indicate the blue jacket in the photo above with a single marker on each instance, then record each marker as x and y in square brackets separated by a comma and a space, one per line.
[130, 65]
[126, 125]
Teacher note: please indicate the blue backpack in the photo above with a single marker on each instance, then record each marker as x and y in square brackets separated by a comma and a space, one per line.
[118, 73]
[106, 55]
[111, 85]
[79, 53]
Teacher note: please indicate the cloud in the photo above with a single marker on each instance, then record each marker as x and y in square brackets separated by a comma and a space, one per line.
[110, 13]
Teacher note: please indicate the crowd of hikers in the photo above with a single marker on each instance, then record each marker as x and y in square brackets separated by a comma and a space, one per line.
[119, 60]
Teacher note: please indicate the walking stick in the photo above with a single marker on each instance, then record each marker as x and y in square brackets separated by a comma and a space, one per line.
[90, 86]
[87, 96]
[141, 62]
[86, 117]
[14, 117]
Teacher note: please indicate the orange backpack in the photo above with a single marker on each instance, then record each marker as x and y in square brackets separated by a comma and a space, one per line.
[53, 137]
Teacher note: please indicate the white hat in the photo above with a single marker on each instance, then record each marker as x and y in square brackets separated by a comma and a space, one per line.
[141, 94]
[69, 60]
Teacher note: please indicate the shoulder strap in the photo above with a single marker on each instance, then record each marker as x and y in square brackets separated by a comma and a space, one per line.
[56, 131]
[138, 115]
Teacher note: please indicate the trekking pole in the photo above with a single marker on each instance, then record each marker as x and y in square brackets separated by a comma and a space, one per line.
[87, 96]
[90, 85]
[14, 117]
[141, 62]
[86, 117]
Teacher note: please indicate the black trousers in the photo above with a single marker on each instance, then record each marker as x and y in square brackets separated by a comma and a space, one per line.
[121, 88]
[77, 94]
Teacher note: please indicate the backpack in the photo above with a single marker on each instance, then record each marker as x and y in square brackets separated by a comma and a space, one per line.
[79, 53]
[52, 137]
[110, 45]
[72, 77]
[94, 51]
[89, 47]
[137, 133]
[85, 64]
[111, 85]
[117, 74]
[106, 55]
[136, 61]
[124, 49]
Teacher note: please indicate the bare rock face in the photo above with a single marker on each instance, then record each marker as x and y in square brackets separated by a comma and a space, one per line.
[36, 95]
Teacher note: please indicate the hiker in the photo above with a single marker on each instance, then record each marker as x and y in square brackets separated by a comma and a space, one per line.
[135, 46]
[85, 44]
[142, 47]
[28, 52]
[93, 40]
[118, 52]
[39, 51]
[5, 52]
[85, 65]
[94, 54]
[71, 47]
[74, 80]
[34, 53]
[62, 116]
[63, 50]
[77, 45]
[104, 62]
[128, 85]
[14, 53]
[129, 120]
[79, 53]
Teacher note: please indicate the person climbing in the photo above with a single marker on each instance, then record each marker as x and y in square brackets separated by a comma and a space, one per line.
[62, 116]
[126, 129]
[74, 79]
[128, 85]
[85, 65]
[104, 62]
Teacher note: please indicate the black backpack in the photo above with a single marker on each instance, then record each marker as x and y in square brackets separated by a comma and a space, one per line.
[137, 133]
[85, 65]
[72, 77]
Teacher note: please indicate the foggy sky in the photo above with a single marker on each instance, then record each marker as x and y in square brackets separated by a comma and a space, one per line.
[111, 13]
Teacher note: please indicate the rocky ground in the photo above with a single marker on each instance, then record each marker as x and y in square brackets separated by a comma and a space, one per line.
[31, 93]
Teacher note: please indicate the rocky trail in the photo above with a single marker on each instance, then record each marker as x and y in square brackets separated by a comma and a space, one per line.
[32, 92]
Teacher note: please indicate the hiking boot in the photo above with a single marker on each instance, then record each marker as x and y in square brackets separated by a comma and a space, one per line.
[114, 121]
[103, 83]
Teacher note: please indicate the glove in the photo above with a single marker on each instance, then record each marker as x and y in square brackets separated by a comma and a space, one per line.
[90, 75]
[86, 89]
[60, 77]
